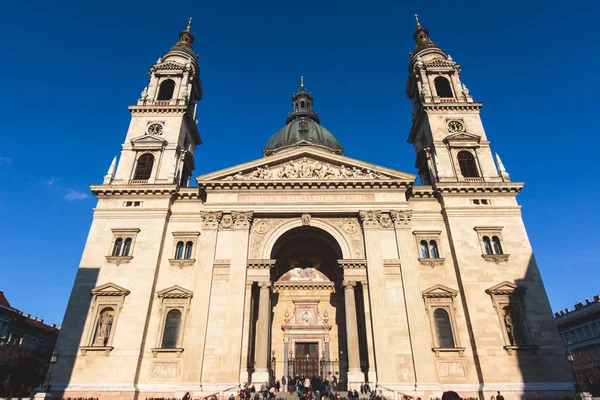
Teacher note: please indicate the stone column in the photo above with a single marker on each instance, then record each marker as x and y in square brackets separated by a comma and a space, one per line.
[355, 376]
[286, 358]
[420, 334]
[384, 355]
[261, 355]
[327, 358]
[195, 334]
[232, 336]
[371, 375]
[245, 334]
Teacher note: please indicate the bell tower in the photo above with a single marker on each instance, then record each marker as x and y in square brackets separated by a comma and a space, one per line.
[162, 136]
[447, 132]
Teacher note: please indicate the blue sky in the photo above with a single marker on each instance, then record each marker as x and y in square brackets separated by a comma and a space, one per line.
[71, 68]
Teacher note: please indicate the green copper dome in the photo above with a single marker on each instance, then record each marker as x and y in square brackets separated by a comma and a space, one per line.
[302, 127]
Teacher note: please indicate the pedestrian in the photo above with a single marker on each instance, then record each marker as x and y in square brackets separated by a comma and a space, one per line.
[187, 396]
[499, 397]
[451, 396]
[232, 397]
[283, 382]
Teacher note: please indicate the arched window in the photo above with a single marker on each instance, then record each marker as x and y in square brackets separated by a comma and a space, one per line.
[127, 247]
[443, 329]
[467, 165]
[433, 249]
[497, 245]
[301, 104]
[424, 253]
[189, 247]
[171, 332]
[143, 170]
[487, 245]
[165, 92]
[442, 87]
[117, 247]
[179, 251]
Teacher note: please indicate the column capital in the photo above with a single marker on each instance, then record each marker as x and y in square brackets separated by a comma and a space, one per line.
[370, 219]
[349, 285]
[242, 219]
[401, 218]
[264, 285]
[210, 219]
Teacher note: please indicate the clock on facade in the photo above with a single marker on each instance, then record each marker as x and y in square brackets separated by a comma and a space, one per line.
[455, 126]
[155, 129]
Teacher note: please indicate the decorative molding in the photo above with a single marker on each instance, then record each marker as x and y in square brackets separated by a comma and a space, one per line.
[496, 258]
[279, 286]
[192, 234]
[260, 264]
[175, 292]
[352, 264]
[506, 288]
[439, 291]
[438, 350]
[401, 218]
[367, 184]
[176, 351]
[370, 219]
[210, 220]
[522, 348]
[349, 285]
[264, 285]
[305, 219]
[488, 229]
[226, 222]
[242, 219]
[101, 349]
[118, 260]
[109, 289]
[129, 190]
[125, 231]
[182, 262]
[432, 262]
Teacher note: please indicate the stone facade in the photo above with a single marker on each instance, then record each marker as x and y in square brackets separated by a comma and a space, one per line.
[307, 261]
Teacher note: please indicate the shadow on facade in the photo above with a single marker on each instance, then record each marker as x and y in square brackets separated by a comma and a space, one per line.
[73, 326]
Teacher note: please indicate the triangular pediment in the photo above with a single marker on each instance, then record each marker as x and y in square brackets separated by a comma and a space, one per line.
[109, 289]
[174, 292]
[168, 65]
[148, 142]
[463, 137]
[439, 291]
[306, 164]
[506, 288]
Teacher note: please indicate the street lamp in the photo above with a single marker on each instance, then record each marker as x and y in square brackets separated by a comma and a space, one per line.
[571, 360]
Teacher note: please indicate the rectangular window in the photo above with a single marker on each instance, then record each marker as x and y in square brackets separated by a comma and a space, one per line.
[594, 330]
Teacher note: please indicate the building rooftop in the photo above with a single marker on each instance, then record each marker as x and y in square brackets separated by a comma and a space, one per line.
[580, 309]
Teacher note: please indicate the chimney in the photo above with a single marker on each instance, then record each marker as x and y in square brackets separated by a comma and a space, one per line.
[587, 301]
[35, 318]
[27, 315]
[556, 314]
[578, 305]
[41, 320]
[597, 297]
[53, 326]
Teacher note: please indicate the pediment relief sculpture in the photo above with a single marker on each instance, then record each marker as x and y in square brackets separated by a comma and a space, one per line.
[307, 169]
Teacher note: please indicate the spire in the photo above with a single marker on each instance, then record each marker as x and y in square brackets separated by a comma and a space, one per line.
[111, 172]
[185, 40]
[302, 102]
[421, 37]
[505, 176]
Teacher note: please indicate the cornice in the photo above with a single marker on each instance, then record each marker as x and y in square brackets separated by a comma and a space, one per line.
[305, 184]
[478, 187]
[170, 109]
[124, 190]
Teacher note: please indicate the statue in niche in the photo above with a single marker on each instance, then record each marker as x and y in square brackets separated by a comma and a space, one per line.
[512, 325]
[104, 327]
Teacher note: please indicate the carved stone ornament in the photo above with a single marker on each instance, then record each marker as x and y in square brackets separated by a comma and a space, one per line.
[261, 227]
[210, 220]
[350, 227]
[305, 219]
[385, 221]
[401, 218]
[349, 285]
[226, 222]
[242, 219]
[307, 169]
[370, 219]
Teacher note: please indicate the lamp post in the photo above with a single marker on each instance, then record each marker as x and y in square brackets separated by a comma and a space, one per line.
[44, 393]
[571, 360]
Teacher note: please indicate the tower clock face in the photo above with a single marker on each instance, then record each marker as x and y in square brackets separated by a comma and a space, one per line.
[155, 129]
[456, 126]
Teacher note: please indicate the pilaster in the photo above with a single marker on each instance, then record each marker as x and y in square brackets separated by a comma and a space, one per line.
[371, 374]
[196, 332]
[355, 377]
[261, 373]
[417, 327]
[237, 285]
[386, 365]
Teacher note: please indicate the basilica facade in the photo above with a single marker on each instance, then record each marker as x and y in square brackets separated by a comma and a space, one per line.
[306, 262]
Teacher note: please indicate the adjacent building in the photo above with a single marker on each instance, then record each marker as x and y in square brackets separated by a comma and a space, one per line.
[580, 332]
[308, 262]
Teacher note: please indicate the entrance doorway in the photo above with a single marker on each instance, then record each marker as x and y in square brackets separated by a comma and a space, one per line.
[306, 362]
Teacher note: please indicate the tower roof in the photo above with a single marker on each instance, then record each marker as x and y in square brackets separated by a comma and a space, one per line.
[303, 127]
[185, 41]
[423, 42]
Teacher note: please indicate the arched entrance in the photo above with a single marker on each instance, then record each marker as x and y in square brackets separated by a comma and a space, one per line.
[308, 325]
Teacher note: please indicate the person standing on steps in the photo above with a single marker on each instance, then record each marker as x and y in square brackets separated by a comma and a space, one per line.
[499, 397]
[187, 396]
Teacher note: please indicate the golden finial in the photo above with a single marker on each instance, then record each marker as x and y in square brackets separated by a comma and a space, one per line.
[302, 81]
[189, 27]
[418, 23]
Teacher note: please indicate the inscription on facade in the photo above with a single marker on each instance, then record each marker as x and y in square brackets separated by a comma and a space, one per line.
[451, 369]
[305, 198]
[164, 370]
